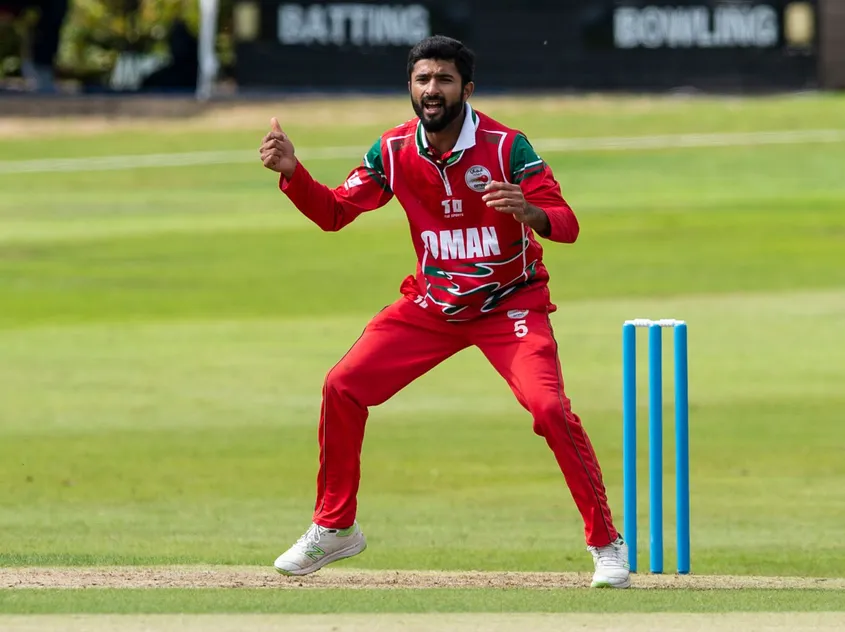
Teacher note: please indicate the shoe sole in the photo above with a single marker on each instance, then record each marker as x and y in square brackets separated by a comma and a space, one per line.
[351, 551]
[625, 584]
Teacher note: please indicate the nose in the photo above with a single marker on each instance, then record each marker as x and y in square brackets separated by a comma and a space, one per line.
[432, 88]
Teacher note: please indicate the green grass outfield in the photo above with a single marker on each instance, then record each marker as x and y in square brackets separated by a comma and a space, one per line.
[164, 333]
[220, 601]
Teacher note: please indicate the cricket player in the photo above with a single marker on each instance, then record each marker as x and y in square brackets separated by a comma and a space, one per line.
[478, 200]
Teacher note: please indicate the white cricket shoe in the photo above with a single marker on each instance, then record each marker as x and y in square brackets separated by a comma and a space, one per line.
[612, 569]
[320, 546]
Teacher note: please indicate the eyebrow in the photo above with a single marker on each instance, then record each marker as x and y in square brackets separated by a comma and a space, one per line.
[439, 75]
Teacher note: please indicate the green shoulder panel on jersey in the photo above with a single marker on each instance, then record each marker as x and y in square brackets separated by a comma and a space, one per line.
[374, 165]
[524, 160]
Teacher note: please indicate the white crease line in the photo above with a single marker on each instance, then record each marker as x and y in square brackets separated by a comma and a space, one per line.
[558, 145]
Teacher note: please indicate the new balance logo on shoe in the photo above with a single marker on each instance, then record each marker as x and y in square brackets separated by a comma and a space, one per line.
[314, 552]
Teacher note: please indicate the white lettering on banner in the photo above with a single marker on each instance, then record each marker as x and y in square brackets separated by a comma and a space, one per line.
[357, 24]
[728, 26]
[289, 23]
[131, 69]
[337, 17]
[463, 244]
[357, 19]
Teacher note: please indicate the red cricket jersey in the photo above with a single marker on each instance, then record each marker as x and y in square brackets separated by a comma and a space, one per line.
[471, 259]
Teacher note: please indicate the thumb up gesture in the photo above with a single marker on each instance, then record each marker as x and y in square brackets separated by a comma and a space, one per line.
[277, 152]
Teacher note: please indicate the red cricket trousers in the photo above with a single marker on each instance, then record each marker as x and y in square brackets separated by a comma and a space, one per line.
[403, 342]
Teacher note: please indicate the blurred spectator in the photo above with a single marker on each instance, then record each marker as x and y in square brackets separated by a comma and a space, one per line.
[38, 62]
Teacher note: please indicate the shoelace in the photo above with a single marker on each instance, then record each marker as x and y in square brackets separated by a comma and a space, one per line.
[609, 556]
[312, 536]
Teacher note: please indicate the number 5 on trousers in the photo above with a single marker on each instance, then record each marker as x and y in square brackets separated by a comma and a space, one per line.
[520, 328]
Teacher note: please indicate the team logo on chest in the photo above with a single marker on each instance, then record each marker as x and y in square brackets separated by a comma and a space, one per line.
[477, 177]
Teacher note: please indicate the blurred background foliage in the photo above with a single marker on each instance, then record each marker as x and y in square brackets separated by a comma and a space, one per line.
[95, 32]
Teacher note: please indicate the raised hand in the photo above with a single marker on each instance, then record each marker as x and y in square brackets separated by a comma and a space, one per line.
[277, 152]
[508, 198]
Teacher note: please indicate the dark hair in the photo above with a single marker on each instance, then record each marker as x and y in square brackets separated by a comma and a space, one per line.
[445, 49]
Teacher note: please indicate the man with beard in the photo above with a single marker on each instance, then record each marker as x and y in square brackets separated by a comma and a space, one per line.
[476, 196]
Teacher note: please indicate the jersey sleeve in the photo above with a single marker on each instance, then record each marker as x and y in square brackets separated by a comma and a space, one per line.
[365, 189]
[541, 189]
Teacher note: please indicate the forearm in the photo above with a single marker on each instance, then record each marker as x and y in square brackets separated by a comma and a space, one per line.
[538, 220]
[553, 220]
[314, 200]
[551, 216]
[563, 225]
[332, 209]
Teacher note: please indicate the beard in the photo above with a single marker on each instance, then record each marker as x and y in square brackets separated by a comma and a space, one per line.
[439, 119]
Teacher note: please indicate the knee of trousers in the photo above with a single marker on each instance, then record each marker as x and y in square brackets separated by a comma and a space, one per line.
[547, 412]
[341, 384]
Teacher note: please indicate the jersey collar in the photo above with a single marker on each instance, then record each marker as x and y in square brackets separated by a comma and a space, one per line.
[466, 138]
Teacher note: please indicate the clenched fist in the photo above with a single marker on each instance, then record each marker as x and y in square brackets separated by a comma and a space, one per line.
[277, 151]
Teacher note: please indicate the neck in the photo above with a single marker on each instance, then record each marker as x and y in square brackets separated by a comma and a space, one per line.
[446, 139]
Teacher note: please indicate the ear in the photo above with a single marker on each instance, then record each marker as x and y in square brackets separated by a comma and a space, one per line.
[468, 90]
[409, 85]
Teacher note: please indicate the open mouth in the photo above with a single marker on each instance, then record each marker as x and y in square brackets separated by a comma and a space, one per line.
[433, 107]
